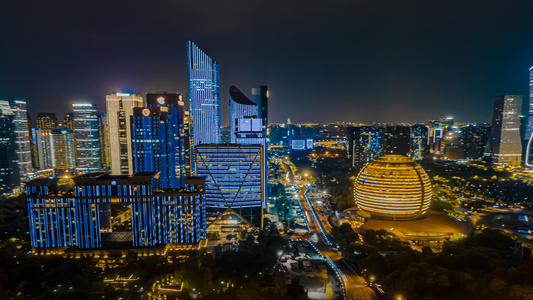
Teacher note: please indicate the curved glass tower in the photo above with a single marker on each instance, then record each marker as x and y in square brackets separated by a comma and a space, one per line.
[204, 97]
[239, 107]
[529, 129]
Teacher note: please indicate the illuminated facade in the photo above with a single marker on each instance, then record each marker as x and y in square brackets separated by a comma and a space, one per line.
[393, 187]
[22, 136]
[239, 107]
[119, 109]
[234, 179]
[159, 139]
[506, 144]
[82, 218]
[364, 144]
[9, 170]
[204, 97]
[46, 121]
[87, 134]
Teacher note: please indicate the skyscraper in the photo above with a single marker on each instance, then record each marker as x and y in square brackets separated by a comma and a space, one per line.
[158, 139]
[204, 97]
[260, 97]
[46, 120]
[45, 148]
[119, 109]
[55, 149]
[87, 136]
[239, 107]
[233, 179]
[506, 144]
[9, 169]
[529, 128]
[22, 135]
[63, 150]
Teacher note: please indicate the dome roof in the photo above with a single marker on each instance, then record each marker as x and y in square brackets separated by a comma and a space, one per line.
[393, 186]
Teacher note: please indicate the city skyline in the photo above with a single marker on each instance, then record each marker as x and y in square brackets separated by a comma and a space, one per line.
[386, 55]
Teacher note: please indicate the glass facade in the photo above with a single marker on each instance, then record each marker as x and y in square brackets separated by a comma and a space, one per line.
[87, 134]
[506, 144]
[234, 178]
[22, 136]
[9, 170]
[159, 139]
[119, 109]
[239, 107]
[204, 97]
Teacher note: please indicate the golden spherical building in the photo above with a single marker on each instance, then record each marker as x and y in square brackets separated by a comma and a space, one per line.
[393, 187]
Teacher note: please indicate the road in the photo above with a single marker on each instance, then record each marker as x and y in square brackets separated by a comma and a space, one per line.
[354, 284]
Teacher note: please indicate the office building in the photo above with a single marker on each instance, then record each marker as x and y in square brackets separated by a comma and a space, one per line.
[233, 175]
[119, 109]
[104, 142]
[396, 140]
[159, 139]
[22, 136]
[253, 131]
[506, 143]
[142, 215]
[204, 97]
[55, 149]
[239, 107]
[87, 136]
[9, 169]
[44, 148]
[46, 121]
[260, 97]
[364, 144]
[68, 122]
[475, 139]
[64, 159]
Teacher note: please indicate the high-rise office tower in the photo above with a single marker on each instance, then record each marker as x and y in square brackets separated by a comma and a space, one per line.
[119, 109]
[419, 142]
[158, 139]
[55, 149]
[364, 144]
[506, 143]
[204, 97]
[87, 136]
[233, 179]
[260, 97]
[239, 107]
[475, 138]
[9, 169]
[104, 141]
[44, 146]
[529, 128]
[68, 122]
[46, 121]
[64, 146]
[396, 140]
[528, 135]
[22, 134]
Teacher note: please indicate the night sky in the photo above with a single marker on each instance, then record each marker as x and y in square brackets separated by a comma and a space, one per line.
[323, 61]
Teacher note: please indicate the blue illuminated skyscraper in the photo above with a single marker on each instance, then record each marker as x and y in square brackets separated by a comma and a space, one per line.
[204, 97]
[239, 107]
[528, 135]
[9, 170]
[158, 139]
